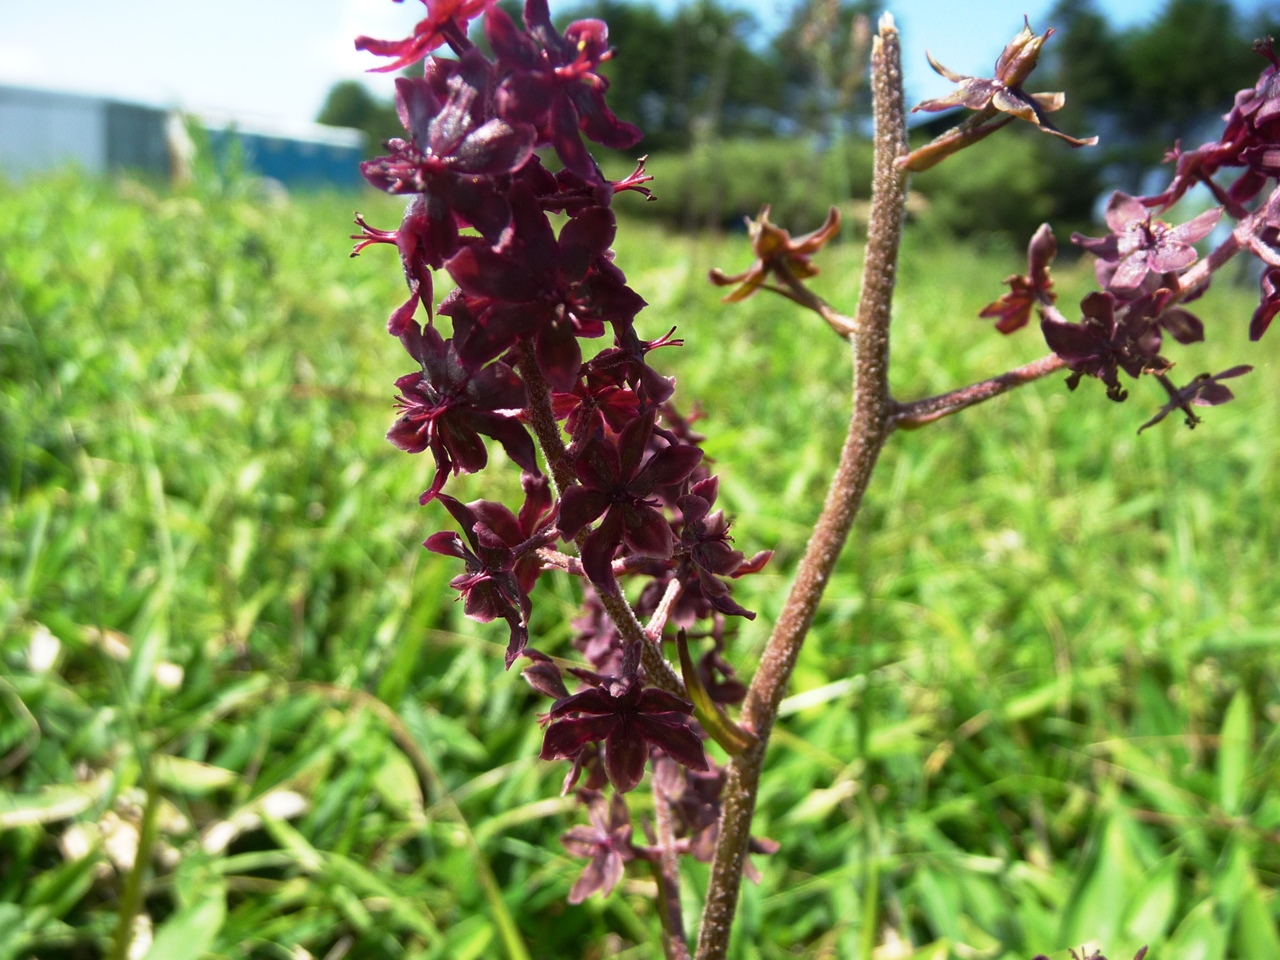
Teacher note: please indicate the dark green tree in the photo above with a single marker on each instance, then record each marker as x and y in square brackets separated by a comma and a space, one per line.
[822, 55]
[1187, 65]
[705, 66]
[350, 104]
[1137, 88]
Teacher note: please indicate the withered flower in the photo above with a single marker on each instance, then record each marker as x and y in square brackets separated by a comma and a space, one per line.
[1025, 292]
[1002, 93]
[776, 250]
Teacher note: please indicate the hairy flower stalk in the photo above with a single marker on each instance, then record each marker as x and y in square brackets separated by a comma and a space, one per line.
[538, 352]
[868, 428]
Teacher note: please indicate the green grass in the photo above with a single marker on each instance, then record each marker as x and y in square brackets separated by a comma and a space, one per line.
[1037, 708]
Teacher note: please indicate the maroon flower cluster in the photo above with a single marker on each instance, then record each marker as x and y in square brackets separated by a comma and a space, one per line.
[1148, 269]
[528, 250]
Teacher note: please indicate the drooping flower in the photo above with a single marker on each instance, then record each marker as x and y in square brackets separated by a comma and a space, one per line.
[445, 22]
[1112, 336]
[776, 249]
[704, 540]
[489, 587]
[606, 843]
[1203, 391]
[413, 241]
[1013, 310]
[628, 718]
[1269, 306]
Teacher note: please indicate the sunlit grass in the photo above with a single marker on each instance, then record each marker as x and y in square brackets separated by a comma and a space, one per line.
[1037, 707]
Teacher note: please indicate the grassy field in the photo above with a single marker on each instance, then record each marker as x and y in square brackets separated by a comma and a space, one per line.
[239, 705]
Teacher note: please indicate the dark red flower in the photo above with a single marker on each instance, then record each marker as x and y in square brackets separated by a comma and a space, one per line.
[626, 359]
[446, 407]
[628, 719]
[445, 22]
[414, 242]
[607, 843]
[614, 484]
[597, 399]
[1269, 306]
[555, 84]
[1026, 292]
[1112, 336]
[542, 289]
[489, 587]
[704, 539]
[453, 158]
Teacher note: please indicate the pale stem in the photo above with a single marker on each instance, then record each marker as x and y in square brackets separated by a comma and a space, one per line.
[868, 428]
[658, 622]
[796, 291]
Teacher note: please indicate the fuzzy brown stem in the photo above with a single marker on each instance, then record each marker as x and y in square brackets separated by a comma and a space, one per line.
[547, 432]
[868, 428]
[910, 416]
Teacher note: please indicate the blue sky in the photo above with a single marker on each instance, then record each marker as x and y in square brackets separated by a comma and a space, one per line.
[273, 60]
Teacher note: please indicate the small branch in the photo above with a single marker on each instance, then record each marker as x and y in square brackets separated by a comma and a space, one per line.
[977, 127]
[547, 432]
[666, 868]
[911, 416]
[554, 559]
[868, 428]
[797, 291]
[658, 622]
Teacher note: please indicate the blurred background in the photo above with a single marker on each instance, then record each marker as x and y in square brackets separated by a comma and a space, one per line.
[240, 713]
[714, 84]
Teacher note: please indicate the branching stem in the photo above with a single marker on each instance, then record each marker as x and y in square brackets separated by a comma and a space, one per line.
[910, 416]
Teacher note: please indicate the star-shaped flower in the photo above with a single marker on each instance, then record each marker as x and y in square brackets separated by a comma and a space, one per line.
[1003, 93]
[629, 719]
[607, 843]
[1139, 244]
[445, 408]
[613, 483]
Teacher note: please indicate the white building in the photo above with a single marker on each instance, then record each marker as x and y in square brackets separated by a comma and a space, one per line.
[42, 130]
